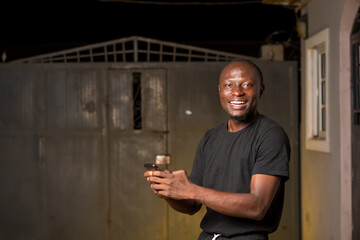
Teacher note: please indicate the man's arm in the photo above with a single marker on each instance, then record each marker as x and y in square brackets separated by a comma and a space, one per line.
[188, 206]
[253, 205]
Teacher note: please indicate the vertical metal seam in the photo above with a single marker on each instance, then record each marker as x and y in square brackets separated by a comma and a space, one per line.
[108, 153]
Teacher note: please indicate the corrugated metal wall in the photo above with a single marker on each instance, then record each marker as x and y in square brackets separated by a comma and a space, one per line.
[72, 161]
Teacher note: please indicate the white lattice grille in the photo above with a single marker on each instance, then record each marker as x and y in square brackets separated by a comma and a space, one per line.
[134, 49]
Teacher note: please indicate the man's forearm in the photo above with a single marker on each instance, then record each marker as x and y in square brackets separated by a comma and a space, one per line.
[184, 206]
[253, 205]
[243, 205]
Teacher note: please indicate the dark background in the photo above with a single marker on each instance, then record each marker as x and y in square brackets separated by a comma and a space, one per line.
[33, 28]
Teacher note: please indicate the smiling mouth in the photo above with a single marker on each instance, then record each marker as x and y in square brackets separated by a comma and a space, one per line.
[237, 103]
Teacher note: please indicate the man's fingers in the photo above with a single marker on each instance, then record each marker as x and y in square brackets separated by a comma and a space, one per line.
[159, 182]
[157, 186]
[155, 180]
[151, 173]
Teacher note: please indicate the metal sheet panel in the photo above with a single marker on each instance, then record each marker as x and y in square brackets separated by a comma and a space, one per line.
[18, 98]
[75, 188]
[72, 98]
[75, 155]
[20, 206]
[53, 172]
[135, 212]
[154, 106]
[120, 89]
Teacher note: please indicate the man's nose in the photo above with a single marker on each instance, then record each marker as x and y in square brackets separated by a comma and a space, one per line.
[237, 91]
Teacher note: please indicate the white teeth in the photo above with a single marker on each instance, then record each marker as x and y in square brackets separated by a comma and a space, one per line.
[237, 102]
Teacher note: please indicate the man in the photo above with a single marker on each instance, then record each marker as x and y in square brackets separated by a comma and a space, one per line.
[240, 166]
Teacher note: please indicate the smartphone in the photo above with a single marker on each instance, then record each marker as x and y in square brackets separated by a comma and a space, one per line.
[152, 167]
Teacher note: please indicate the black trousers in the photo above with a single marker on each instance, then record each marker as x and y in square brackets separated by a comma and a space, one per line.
[251, 236]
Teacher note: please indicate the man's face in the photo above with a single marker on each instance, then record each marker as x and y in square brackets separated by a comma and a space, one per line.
[240, 90]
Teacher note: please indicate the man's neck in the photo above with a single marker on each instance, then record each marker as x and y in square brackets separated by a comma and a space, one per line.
[235, 125]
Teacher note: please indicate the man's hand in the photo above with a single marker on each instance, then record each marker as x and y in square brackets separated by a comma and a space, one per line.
[175, 188]
[174, 185]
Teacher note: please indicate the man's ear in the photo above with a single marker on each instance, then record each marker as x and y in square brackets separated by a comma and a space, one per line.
[262, 89]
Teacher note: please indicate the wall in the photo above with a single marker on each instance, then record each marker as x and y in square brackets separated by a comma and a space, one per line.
[350, 9]
[322, 183]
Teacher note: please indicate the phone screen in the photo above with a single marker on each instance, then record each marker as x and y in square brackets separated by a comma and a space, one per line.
[152, 167]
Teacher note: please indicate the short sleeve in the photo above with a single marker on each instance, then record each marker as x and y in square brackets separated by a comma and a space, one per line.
[273, 153]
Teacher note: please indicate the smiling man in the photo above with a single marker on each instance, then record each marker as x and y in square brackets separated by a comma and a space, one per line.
[240, 166]
[240, 88]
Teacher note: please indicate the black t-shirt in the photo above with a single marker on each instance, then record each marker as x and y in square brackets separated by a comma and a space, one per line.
[226, 161]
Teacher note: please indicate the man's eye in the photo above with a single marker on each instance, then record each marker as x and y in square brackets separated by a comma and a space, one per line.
[228, 85]
[246, 85]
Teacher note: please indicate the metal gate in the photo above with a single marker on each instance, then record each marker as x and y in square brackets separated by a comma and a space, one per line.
[74, 137]
[72, 156]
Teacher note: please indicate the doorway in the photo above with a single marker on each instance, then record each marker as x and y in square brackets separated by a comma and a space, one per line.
[355, 127]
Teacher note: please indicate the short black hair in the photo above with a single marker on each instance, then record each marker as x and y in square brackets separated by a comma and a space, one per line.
[244, 60]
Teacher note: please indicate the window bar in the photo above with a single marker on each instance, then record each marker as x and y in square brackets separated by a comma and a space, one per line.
[322, 89]
[323, 92]
[323, 66]
[123, 51]
[315, 94]
[323, 119]
[114, 52]
[135, 50]
[105, 54]
[174, 54]
[161, 53]
[91, 55]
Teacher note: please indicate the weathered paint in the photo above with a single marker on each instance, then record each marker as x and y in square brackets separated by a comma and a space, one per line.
[73, 168]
